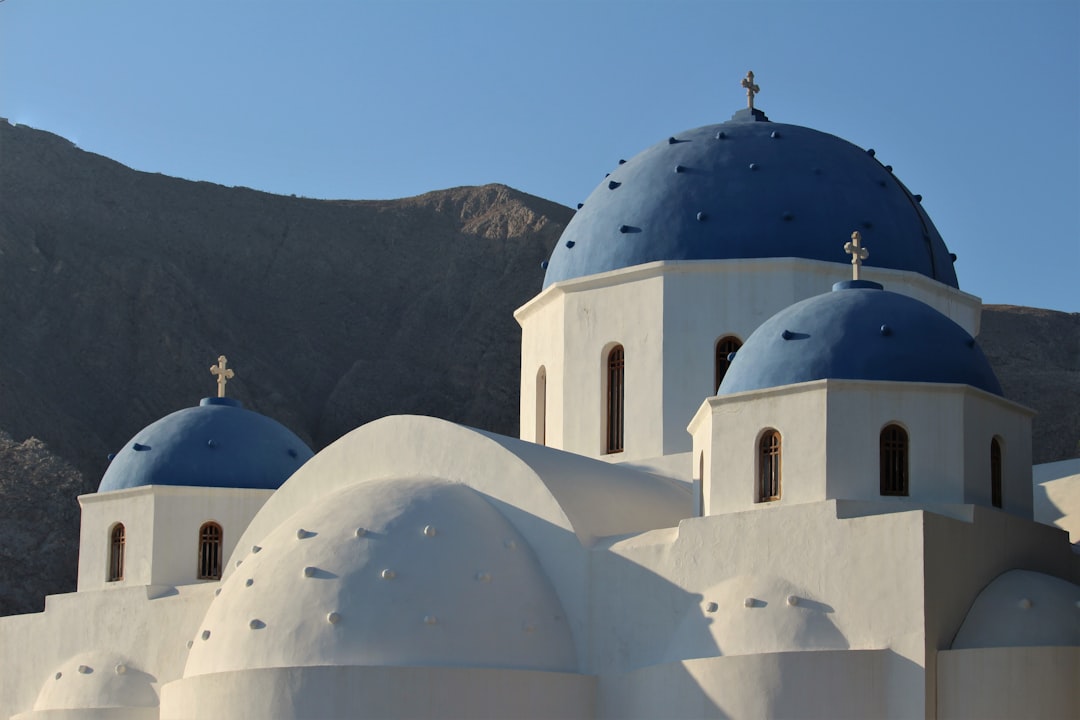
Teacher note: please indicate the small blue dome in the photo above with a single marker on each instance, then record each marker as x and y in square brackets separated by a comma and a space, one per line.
[217, 444]
[858, 332]
[749, 188]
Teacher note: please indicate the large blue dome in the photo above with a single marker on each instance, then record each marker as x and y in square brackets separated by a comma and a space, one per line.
[217, 444]
[858, 332]
[749, 188]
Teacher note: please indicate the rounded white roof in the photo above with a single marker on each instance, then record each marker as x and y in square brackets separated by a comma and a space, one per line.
[1021, 608]
[396, 572]
[96, 679]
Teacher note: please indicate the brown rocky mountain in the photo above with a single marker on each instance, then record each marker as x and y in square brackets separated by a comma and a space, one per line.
[1036, 355]
[119, 288]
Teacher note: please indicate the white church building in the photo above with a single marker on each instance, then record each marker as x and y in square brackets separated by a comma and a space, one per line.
[761, 473]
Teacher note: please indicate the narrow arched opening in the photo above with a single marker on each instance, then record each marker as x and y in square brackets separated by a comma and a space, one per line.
[117, 542]
[995, 472]
[615, 419]
[210, 537]
[725, 347]
[769, 466]
[893, 454]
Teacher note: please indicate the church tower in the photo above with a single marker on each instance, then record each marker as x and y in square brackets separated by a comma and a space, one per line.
[681, 252]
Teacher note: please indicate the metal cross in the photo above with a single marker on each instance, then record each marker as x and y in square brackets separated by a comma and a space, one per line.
[223, 374]
[751, 89]
[857, 252]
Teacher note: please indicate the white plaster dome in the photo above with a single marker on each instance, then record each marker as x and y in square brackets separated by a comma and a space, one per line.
[397, 572]
[95, 684]
[1021, 608]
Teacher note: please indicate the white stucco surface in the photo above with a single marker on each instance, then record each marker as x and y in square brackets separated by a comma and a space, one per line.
[145, 627]
[97, 680]
[785, 685]
[830, 443]
[668, 317]
[1057, 496]
[380, 693]
[1022, 608]
[401, 572]
[161, 524]
[1007, 683]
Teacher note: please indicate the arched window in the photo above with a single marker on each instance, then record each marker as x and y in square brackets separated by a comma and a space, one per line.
[116, 553]
[541, 406]
[724, 347]
[995, 472]
[768, 479]
[893, 452]
[210, 551]
[616, 392]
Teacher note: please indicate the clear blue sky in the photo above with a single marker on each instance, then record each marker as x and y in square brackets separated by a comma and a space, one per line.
[974, 103]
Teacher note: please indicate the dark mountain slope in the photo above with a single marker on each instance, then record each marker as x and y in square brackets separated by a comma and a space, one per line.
[118, 288]
[1036, 355]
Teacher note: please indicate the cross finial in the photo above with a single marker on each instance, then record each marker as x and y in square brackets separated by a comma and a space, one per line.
[751, 89]
[857, 252]
[223, 374]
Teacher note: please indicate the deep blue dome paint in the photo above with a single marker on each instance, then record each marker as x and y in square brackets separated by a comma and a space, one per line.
[217, 444]
[749, 188]
[858, 332]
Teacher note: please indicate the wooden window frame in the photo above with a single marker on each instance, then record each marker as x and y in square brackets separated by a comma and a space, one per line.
[724, 346]
[211, 546]
[894, 463]
[770, 459]
[615, 401]
[117, 550]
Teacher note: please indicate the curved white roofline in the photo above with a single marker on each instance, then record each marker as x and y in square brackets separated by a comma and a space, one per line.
[560, 503]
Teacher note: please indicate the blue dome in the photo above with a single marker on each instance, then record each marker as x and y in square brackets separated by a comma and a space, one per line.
[749, 188]
[858, 332]
[217, 444]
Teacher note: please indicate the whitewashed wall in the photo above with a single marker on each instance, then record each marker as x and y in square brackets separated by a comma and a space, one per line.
[161, 526]
[830, 443]
[668, 316]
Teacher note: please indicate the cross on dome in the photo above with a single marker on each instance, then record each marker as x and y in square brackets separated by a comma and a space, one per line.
[857, 252]
[223, 374]
[751, 89]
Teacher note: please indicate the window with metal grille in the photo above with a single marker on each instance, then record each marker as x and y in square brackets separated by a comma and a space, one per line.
[116, 553]
[616, 393]
[893, 451]
[210, 551]
[769, 466]
[724, 347]
[995, 472]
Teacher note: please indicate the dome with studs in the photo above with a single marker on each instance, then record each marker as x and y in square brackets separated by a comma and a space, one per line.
[749, 188]
[217, 444]
[858, 332]
[400, 572]
[97, 684]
